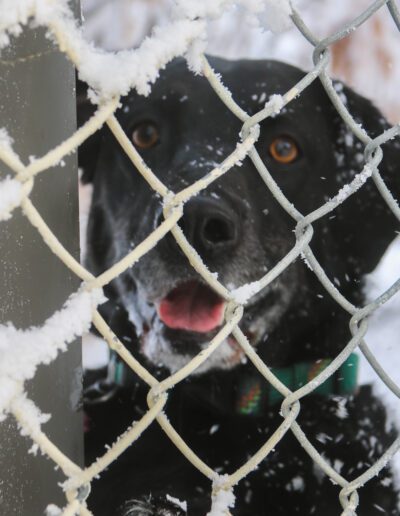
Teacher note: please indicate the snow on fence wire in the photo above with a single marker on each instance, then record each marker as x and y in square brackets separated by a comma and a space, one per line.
[109, 77]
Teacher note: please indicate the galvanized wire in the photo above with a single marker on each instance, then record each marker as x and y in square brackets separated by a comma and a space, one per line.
[77, 484]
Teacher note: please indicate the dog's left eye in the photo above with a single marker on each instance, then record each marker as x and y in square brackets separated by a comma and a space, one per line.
[284, 149]
[145, 135]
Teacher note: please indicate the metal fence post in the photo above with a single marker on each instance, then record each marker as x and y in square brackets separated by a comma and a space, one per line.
[37, 107]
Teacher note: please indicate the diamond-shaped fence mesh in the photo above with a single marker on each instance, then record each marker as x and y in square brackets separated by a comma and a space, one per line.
[43, 343]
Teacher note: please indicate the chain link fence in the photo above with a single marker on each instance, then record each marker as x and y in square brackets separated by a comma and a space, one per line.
[42, 344]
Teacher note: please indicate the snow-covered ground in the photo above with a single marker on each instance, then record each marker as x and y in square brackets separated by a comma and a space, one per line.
[369, 61]
[384, 330]
[383, 336]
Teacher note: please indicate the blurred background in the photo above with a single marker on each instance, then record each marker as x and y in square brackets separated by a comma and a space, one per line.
[368, 60]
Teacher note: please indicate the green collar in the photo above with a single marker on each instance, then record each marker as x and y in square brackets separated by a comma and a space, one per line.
[254, 393]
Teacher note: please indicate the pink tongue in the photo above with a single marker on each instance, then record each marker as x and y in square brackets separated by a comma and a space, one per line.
[192, 307]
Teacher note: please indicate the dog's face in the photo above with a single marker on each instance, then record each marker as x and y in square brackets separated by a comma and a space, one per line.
[182, 131]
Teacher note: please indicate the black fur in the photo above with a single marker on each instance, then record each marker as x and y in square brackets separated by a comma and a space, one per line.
[196, 131]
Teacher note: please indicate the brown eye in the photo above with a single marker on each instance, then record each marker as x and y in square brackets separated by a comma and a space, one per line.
[145, 135]
[284, 150]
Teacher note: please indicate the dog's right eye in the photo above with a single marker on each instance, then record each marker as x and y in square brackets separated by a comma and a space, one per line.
[145, 135]
[284, 150]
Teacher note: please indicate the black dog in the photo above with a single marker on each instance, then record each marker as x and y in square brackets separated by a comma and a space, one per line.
[165, 313]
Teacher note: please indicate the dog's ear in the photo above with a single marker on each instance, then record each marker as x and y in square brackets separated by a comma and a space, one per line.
[88, 151]
[365, 215]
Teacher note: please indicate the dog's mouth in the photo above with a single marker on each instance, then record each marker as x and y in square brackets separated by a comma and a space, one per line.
[192, 307]
[183, 323]
[179, 324]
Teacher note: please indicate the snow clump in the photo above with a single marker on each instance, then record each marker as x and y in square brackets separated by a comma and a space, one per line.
[111, 74]
[222, 499]
[10, 197]
[22, 351]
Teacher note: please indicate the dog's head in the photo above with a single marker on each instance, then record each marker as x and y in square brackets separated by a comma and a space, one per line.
[182, 131]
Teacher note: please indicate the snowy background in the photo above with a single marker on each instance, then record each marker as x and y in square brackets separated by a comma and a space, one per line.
[368, 60]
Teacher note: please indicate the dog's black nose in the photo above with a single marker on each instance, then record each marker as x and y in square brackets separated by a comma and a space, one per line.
[210, 225]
